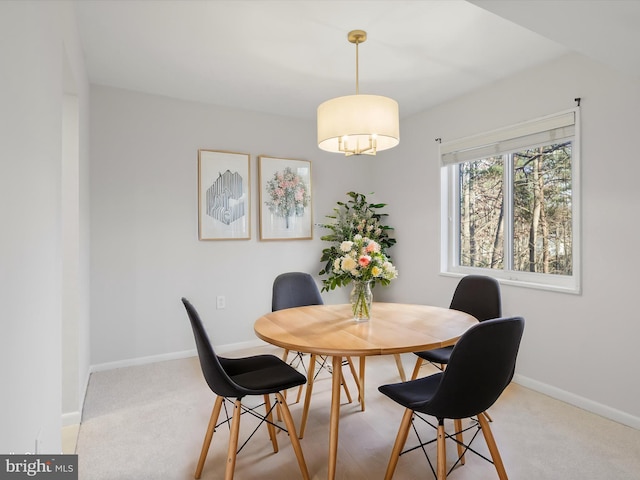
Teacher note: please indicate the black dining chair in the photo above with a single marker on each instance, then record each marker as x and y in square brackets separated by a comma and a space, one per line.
[232, 379]
[299, 289]
[477, 295]
[294, 289]
[480, 367]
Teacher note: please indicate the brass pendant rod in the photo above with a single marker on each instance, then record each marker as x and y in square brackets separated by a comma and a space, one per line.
[357, 72]
[357, 37]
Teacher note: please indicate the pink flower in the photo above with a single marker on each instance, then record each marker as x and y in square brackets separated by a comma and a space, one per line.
[372, 247]
[364, 260]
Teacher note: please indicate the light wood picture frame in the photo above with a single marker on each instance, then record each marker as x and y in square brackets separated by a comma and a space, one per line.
[285, 199]
[224, 195]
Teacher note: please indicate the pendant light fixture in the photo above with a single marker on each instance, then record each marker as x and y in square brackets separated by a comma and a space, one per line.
[358, 124]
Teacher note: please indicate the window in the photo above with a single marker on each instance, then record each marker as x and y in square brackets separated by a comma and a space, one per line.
[511, 204]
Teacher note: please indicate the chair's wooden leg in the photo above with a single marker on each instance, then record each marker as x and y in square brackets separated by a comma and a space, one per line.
[307, 395]
[401, 439]
[295, 443]
[344, 385]
[299, 394]
[270, 427]
[362, 364]
[493, 448]
[299, 388]
[441, 467]
[215, 413]
[416, 369]
[486, 414]
[398, 359]
[233, 441]
[285, 355]
[457, 425]
[358, 380]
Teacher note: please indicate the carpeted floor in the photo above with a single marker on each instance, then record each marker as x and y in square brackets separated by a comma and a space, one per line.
[148, 422]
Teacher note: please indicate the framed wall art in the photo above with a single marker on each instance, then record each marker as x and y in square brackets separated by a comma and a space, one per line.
[285, 198]
[224, 198]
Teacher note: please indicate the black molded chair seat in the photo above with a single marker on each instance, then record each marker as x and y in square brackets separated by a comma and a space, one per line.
[261, 374]
[477, 295]
[437, 355]
[480, 368]
[414, 393]
[240, 377]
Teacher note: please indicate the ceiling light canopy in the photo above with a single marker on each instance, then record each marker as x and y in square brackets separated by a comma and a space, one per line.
[358, 124]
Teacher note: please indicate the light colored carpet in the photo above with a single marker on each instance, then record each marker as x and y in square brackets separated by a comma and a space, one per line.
[148, 422]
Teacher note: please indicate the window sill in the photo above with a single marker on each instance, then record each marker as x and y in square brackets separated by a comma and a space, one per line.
[560, 285]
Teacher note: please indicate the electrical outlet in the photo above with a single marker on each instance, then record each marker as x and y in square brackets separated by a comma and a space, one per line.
[220, 302]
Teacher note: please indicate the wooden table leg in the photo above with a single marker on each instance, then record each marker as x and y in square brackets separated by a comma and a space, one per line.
[361, 380]
[307, 396]
[335, 418]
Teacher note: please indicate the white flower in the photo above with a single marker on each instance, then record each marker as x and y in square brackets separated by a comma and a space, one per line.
[346, 246]
[390, 271]
[336, 265]
[349, 264]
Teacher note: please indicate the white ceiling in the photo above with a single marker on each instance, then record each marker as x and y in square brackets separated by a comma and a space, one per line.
[286, 57]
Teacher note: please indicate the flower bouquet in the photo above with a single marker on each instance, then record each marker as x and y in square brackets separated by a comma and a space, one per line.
[361, 263]
[358, 251]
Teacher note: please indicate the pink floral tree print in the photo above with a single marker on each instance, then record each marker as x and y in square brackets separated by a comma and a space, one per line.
[288, 194]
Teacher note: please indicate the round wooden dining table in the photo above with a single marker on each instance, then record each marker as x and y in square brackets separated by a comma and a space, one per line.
[330, 330]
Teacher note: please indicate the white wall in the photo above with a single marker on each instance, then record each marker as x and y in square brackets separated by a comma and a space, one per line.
[145, 249]
[581, 348]
[145, 252]
[36, 39]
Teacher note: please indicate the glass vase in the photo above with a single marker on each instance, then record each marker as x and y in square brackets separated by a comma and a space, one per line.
[361, 298]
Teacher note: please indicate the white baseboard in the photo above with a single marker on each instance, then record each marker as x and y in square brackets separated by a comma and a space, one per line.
[71, 418]
[75, 418]
[132, 362]
[580, 402]
[232, 347]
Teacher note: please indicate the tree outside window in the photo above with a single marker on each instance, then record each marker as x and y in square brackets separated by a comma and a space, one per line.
[540, 198]
[511, 204]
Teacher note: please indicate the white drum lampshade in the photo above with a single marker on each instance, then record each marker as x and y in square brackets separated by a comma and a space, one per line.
[358, 124]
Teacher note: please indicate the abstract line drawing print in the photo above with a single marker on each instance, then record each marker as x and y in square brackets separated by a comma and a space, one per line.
[224, 196]
[224, 199]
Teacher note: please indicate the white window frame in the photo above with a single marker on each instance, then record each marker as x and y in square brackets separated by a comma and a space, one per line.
[504, 141]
